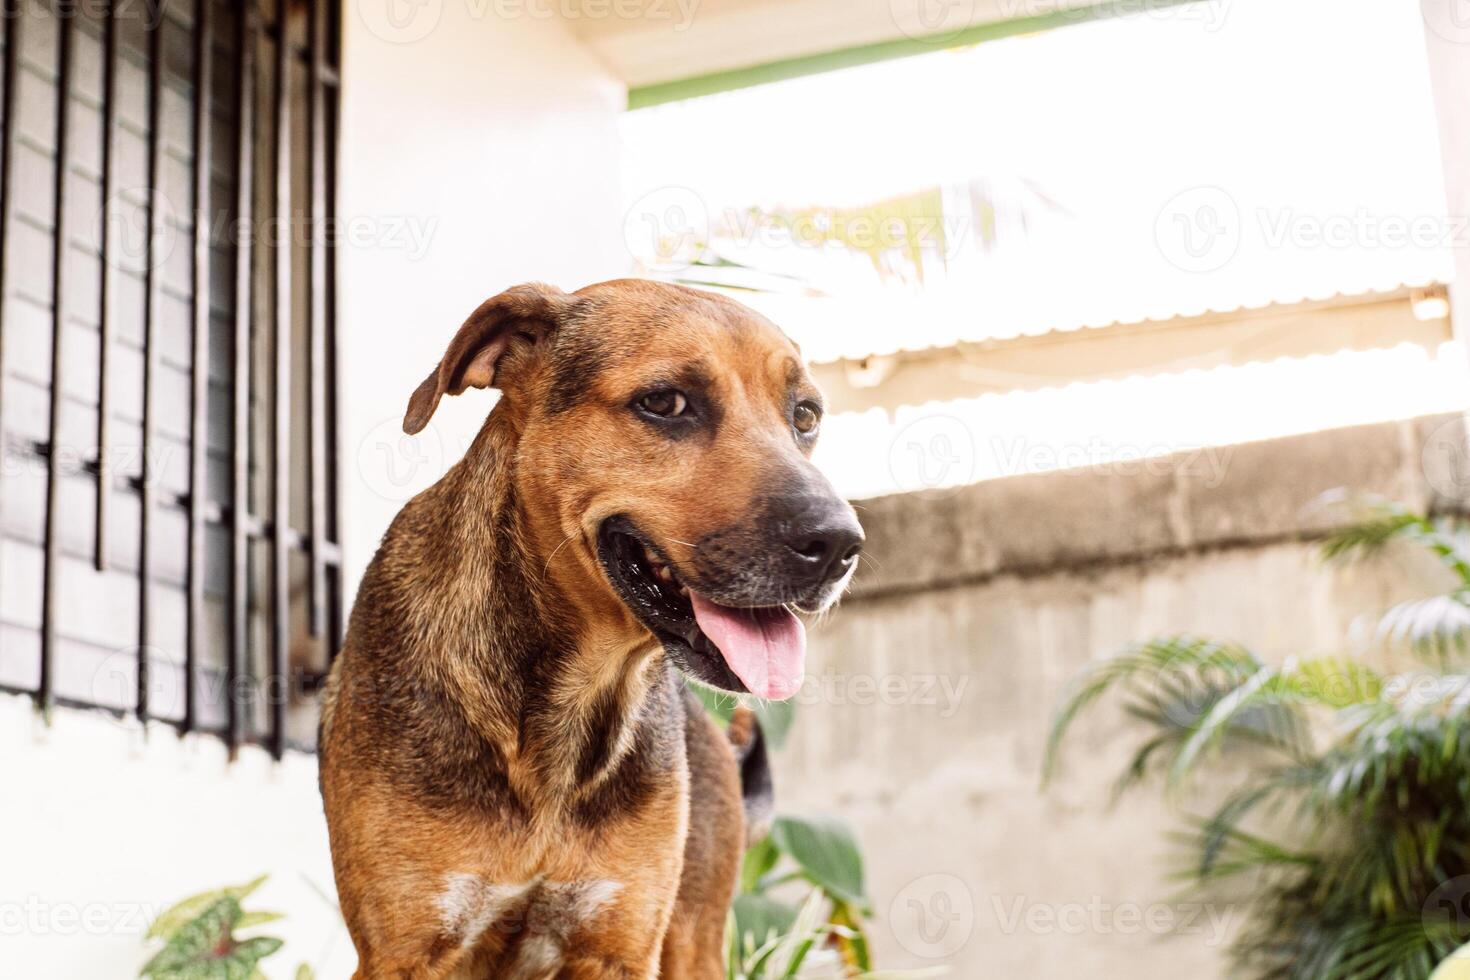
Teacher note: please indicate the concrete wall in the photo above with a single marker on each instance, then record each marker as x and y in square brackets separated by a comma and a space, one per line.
[930, 691]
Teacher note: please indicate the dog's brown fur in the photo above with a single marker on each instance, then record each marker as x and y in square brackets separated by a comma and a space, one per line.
[515, 783]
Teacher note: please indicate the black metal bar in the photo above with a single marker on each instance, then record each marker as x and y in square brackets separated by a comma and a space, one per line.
[106, 326]
[281, 389]
[244, 267]
[318, 324]
[50, 604]
[152, 274]
[332, 39]
[199, 394]
[11, 13]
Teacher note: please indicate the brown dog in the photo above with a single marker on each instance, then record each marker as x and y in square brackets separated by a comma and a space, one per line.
[516, 784]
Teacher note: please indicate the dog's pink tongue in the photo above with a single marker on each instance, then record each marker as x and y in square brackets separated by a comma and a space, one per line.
[766, 648]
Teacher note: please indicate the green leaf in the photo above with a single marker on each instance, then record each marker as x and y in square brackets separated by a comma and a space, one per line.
[251, 919]
[828, 856]
[196, 940]
[305, 972]
[760, 858]
[190, 908]
[776, 718]
[761, 918]
[242, 959]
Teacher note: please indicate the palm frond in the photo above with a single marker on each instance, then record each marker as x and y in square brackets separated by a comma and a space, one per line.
[1165, 675]
[1379, 523]
[1437, 627]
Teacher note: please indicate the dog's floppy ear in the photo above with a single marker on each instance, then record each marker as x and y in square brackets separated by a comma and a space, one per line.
[469, 362]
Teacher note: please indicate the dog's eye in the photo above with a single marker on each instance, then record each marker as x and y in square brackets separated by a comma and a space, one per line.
[666, 403]
[805, 417]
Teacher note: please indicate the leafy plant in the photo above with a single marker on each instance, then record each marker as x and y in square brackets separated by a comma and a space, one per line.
[199, 942]
[770, 934]
[1352, 827]
[771, 937]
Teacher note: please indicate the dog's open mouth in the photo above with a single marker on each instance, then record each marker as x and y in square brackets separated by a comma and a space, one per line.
[761, 650]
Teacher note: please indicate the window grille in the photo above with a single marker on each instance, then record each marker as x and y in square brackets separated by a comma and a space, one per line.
[169, 540]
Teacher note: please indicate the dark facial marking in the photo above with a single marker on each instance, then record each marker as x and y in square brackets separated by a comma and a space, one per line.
[577, 360]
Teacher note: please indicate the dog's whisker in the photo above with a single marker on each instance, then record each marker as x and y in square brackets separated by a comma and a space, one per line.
[546, 569]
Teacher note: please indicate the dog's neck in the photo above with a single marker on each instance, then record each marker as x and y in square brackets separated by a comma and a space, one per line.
[560, 698]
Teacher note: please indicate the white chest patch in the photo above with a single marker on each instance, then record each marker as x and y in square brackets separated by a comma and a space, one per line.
[537, 916]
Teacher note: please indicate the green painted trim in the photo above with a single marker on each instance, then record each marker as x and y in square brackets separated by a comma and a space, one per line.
[644, 96]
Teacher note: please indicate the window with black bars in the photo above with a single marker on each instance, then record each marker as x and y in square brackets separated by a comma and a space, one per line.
[168, 500]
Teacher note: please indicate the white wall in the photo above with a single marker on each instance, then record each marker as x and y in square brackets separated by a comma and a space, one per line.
[498, 135]
[477, 153]
[103, 828]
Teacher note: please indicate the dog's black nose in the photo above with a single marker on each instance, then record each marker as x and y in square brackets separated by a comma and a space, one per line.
[824, 541]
